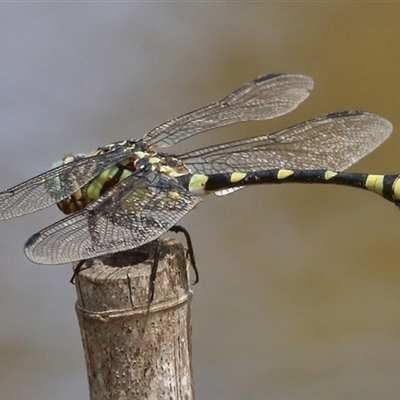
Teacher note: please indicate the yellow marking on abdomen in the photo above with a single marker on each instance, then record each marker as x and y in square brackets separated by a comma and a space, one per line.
[284, 173]
[330, 175]
[396, 189]
[197, 184]
[374, 183]
[237, 176]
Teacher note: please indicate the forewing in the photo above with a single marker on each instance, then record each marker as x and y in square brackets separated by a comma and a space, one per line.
[52, 186]
[266, 97]
[134, 212]
[332, 141]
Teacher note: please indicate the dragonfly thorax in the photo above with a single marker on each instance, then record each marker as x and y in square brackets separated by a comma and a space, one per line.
[135, 161]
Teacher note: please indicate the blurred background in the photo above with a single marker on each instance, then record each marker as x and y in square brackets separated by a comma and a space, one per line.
[299, 285]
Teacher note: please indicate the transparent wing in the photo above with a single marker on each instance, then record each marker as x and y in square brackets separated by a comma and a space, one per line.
[266, 97]
[52, 186]
[134, 212]
[332, 141]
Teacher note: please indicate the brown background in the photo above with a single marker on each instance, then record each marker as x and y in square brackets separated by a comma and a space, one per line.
[299, 293]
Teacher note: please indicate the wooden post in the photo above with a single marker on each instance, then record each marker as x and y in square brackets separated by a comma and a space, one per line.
[134, 351]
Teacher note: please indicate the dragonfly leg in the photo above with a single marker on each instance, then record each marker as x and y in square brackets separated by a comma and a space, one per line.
[77, 269]
[153, 272]
[181, 229]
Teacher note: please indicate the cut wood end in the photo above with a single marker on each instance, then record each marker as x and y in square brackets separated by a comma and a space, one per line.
[121, 281]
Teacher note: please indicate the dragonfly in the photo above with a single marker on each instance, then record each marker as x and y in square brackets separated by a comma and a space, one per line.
[129, 193]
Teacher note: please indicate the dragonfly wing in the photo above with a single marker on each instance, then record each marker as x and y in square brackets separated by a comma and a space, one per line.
[134, 212]
[266, 97]
[332, 141]
[52, 186]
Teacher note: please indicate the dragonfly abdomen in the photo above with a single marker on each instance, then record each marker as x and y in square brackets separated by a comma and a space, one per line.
[387, 186]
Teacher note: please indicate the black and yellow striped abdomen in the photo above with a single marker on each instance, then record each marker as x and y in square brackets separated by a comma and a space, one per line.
[387, 186]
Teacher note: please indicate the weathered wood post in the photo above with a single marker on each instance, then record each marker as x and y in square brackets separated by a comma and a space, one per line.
[133, 350]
